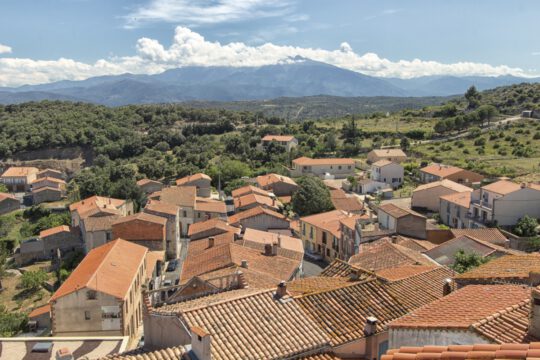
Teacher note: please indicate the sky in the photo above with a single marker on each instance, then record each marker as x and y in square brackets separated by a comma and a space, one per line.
[49, 40]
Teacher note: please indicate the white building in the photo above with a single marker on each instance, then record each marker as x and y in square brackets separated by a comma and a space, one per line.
[387, 172]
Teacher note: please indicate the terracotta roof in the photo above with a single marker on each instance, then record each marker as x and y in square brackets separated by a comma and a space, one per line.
[306, 161]
[44, 309]
[396, 211]
[464, 307]
[201, 245]
[342, 312]
[449, 184]
[141, 216]
[194, 177]
[350, 222]
[315, 284]
[256, 211]
[445, 253]
[4, 196]
[502, 187]
[441, 170]
[19, 171]
[211, 206]
[45, 188]
[183, 196]
[508, 351]
[382, 163]
[94, 203]
[99, 223]
[248, 324]
[328, 221]
[214, 223]
[505, 268]
[171, 353]
[290, 247]
[162, 207]
[47, 178]
[152, 258]
[54, 230]
[339, 268]
[50, 170]
[341, 201]
[322, 356]
[250, 199]
[384, 254]
[413, 244]
[491, 235]
[405, 271]
[389, 152]
[278, 138]
[271, 179]
[462, 199]
[143, 182]
[248, 189]
[110, 268]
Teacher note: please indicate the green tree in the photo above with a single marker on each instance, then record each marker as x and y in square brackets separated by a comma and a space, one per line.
[473, 97]
[350, 132]
[486, 113]
[3, 188]
[233, 169]
[465, 261]
[526, 227]
[405, 144]
[312, 196]
[32, 280]
[11, 323]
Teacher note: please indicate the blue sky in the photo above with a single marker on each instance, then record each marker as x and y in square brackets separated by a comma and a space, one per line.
[48, 40]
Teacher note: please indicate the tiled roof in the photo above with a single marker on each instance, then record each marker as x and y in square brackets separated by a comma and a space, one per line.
[462, 199]
[256, 211]
[54, 230]
[290, 247]
[250, 199]
[328, 221]
[505, 268]
[270, 179]
[449, 184]
[47, 178]
[50, 170]
[491, 235]
[201, 245]
[40, 311]
[162, 207]
[341, 201]
[19, 171]
[445, 253]
[94, 204]
[397, 212]
[183, 196]
[315, 284]
[194, 177]
[464, 307]
[250, 324]
[214, 223]
[143, 182]
[99, 223]
[405, 271]
[389, 152]
[322, 356]
[441, 170]
[338, 268]
[210, 206]
[382, 163]
[306, 161]
[248, 189]
[342, 312]
[502, 187]
[45, 188]
[514, 351]
[4, 196]
[384, 254]
[171, 353]
[278, 138]
[413, 244]
[151, 261]
[142, 216]
[109, 268]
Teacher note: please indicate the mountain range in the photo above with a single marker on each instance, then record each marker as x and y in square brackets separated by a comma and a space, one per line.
[298, 78]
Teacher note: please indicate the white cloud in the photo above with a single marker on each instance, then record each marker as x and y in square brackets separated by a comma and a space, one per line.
[195, 12]
[4, 49]
[535, 53]
[190, 48]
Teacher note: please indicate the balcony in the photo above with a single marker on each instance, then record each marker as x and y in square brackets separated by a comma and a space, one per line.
[482, 204]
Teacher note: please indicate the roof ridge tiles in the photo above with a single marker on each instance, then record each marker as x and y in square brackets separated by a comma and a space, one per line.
[354, 283]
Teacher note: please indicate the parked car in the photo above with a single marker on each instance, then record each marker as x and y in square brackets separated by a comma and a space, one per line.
[173, 264]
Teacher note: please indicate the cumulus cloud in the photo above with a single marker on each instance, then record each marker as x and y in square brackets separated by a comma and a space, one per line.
[190, 48]
[4, 49]
[195, 12]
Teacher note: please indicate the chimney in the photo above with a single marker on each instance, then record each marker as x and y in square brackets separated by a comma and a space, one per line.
[534, 315]
[281, 289]
[447, 287]
[279, 240]
[201, 343]
[64, 354]
[371, 326]
[273, 202]
[211, 242]
[394, 239]
[244, 264]
[268, 249]
[274, 249]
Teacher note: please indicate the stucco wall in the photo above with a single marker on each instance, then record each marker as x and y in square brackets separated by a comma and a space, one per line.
[510, 208]
[422, 337]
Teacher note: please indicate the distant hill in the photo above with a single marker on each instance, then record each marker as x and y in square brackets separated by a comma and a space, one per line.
[298, 77]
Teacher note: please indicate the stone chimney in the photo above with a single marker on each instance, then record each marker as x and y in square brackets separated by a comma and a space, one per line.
[394, 239]
[281, 289]
[370, 326]
[268, 249]
[211, 242]
[279, 240]
[244, 264]
[274, 249]
[201, 343]
[447, 287]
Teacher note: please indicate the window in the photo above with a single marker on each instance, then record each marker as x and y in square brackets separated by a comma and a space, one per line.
[87, 315]
[349, 167]
[108, 236]
[91, 295]
[184, 213]
[304, 229]
[324, 238]
[339, 167]
[311, 233]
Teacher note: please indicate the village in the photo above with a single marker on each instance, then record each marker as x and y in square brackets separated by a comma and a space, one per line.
[446, 269]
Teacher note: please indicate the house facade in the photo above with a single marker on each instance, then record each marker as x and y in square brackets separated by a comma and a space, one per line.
[394, 155]
[401, 221]
[437, 172]
[387, 172]
[171, 213]
[149, 186]
[202, 183]
[338, 168]
[143, 229]
[279, 185]
[8, 203]
[19, 179]
[259, 218]
[454, 209]
[96, 206]
[427, 196]
[287, 141]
